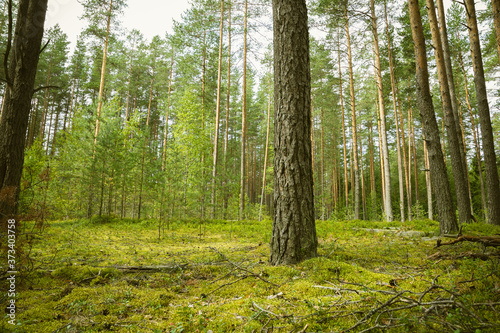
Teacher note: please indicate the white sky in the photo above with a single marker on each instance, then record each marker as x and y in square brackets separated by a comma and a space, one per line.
[151, 17]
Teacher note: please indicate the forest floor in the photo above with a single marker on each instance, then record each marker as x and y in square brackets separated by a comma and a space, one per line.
[111, 275]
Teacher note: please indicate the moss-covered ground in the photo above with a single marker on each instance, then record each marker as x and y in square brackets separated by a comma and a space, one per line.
[110, 275]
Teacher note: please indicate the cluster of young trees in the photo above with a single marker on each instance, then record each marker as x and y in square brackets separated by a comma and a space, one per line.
[182, 126]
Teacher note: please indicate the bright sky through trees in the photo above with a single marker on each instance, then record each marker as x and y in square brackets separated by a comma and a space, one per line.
[151, 17]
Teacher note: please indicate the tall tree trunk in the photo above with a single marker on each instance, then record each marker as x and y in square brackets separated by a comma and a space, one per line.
[446, 210]
[217, 111]
[495, 5]
[228, 106]
[322, 167]
[354, 125]
[385, 148]
[243, 117]
[165, 133]
[127, 107]
[451, 81]
[266, 150]
[20, 77]
[294, 231]
[492, 183]
[394, 103]
[346, 180]
[456, 153]
[103, 75]
[484, 205]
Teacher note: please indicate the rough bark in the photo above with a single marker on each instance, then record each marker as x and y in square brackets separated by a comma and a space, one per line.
[294, 231]
[446, 210]
[491, 171]
[456, 153]
[21, 78]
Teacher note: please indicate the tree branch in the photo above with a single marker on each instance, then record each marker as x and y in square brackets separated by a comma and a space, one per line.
[45, 87]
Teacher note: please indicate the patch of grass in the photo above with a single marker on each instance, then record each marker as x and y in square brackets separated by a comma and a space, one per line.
[214, 275]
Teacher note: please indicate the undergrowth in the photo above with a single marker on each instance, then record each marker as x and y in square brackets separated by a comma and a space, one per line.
[112, 275]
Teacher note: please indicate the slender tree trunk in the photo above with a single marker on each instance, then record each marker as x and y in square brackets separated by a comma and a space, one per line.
[428, 183]
[394, 103]
[385, 148]
[446, 210]
[127, 107]
[54, 136]
[228, 107]
[217, 111]
[103, 75]
[322, 166]
[484, 204]
[405, 160]
[456, 152]
[495, 5]
[243, 116]
[45, 103]
[346, 180]
[165, 133]
[373, 190]
[492, 182]
[354, 125]
[294, 231]
[151, 93]
[266, 150]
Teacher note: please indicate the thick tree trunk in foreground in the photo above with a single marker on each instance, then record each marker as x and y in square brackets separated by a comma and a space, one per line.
[21, 79]
[294, 231]
[459, 173]
[446, 211]
[490, 165]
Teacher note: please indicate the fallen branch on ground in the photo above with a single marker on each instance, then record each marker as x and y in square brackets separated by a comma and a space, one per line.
[485, 240]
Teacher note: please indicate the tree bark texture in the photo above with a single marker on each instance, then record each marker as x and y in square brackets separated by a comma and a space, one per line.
[461, 185]
[294, 231]
[446, 210]
[490, 165]
[23, 63]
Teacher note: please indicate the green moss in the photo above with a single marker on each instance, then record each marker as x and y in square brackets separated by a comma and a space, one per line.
[238, 291]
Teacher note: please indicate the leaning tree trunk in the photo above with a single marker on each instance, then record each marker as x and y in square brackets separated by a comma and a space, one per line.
[446, 211]
[294, 231]
[490, 165]
[20, 75]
